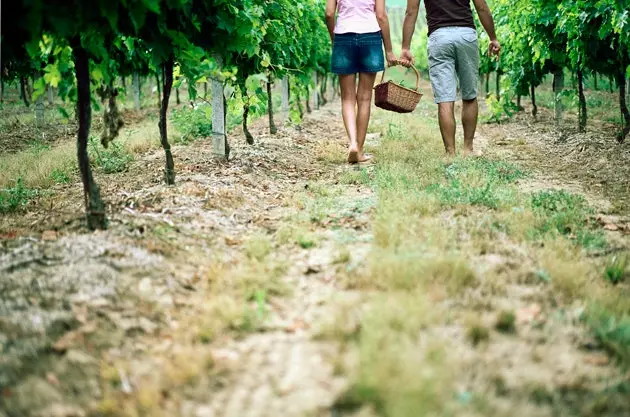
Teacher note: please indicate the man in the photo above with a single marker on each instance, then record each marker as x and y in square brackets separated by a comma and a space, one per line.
[453, 54]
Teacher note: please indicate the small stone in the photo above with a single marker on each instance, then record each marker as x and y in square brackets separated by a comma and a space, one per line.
[61, 410]
[611, 227]
[204, 411]
[49, 236]
[52, 379]
[231, 241]
[145, 285]
[78, 357]
[528, 314]
[597, 359]
[297, 325]
[67, 340]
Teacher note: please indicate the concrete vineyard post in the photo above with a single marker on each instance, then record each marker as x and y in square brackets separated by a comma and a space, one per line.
[220, 147]
[39, 111]
[136, 90]
[315, 92]
[285, 96]
[51, 96]
[558, 88]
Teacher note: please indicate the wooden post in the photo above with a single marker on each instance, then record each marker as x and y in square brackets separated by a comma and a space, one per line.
[220, 147]
[285, 95]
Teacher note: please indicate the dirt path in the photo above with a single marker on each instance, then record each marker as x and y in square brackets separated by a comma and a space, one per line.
[114, 299]
[249, 290]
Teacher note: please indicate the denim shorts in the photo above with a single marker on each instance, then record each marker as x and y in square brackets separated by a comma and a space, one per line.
[357, 52]
[453, 57]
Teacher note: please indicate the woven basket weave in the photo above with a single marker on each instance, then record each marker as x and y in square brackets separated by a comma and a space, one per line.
[394, 97]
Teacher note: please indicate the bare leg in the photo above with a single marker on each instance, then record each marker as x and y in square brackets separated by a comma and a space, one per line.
[364, 103]
[470, 114]
[348, 87]
[447, 126]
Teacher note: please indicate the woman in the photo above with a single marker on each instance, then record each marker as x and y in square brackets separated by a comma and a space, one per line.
[358, 35]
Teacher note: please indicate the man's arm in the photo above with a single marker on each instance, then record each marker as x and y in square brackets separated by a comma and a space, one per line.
[411, 17]
[485, 16]
[331, 10]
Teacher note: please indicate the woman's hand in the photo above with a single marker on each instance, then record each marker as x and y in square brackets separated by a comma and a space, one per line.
[392, 59]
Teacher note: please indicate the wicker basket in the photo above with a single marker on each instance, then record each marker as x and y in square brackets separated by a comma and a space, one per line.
[394, 97]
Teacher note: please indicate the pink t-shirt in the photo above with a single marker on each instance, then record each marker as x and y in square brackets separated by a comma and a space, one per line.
[356, 16]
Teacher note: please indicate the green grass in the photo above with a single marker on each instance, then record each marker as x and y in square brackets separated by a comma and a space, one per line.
[16, 198]
[617, 270]
[560, 212]
[506, 322]
[431, 223]
[61, 175]
[192, 123]
[613, 332]
[112, 160]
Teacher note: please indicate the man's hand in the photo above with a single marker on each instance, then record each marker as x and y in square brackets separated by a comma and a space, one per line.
[392, 59]
[406, 58]
[494, 48]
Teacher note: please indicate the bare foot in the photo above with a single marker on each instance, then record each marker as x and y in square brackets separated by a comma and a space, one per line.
[448, 159]
[353, 156]
[470, 153]
[365, 158]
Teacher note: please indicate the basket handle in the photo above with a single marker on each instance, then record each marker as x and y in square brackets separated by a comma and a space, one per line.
[414, 70]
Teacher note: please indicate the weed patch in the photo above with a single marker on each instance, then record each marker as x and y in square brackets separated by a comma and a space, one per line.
[566, 214]
[193, 123]
[617, 270]
[16, 197]
[613, 332]
[60, 176]
[112, 160]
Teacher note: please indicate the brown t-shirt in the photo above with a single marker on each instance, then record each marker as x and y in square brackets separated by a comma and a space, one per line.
[447, 13]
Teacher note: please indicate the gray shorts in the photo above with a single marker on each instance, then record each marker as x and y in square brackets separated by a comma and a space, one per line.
[453, 56]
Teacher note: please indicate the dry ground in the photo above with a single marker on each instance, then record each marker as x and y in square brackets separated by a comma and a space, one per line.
[285, 283]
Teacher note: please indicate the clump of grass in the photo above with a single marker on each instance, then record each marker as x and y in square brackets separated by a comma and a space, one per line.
[330, 151]
[355, 177]
[343, 256]
[60, 176]
[395, 375]
[258, 247]
[16, 197]
[411, 269]
[616, 270]
[613, 332]
[306, 241]
[506, 322]
[222, 313]
[476, 332]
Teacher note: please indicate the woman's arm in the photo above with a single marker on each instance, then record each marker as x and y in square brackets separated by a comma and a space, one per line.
[331, 10]
[383, 22]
